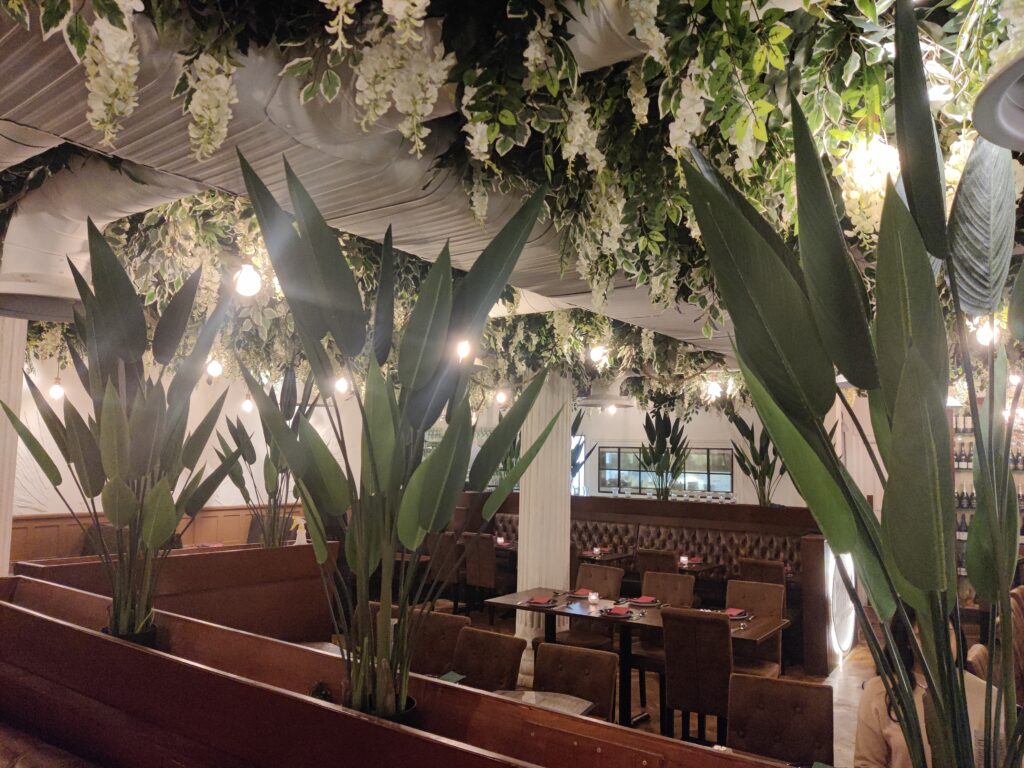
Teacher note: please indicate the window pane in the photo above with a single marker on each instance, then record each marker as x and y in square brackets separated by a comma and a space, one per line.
[630, 480]
[679, 483]
[630, 458]
[648, 480]
[697, 461]
[721, 460]
[609, 458]
[696, 482]
[608, 479]
[721, 483]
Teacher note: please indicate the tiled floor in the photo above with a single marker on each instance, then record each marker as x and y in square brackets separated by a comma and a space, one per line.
[847, 680]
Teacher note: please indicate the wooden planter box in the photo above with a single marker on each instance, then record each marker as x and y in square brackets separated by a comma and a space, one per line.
[218, 696]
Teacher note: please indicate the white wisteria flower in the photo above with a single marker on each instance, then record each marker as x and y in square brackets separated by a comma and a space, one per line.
[407, 17]
[536, 57]
[343, 11]
[478, 199]
[213, 92]
[111, 63]
[602, 237]
[581, 135]
[417, 89]
[687, 123]
[476, 141]
[644, 14]
[637, 93]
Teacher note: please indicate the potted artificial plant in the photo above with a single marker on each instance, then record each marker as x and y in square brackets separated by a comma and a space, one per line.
[664, 453]
[127, 458]
[398, 497]
[758, 459]
[799, 317]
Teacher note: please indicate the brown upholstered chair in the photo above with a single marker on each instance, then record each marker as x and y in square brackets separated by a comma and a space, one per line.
[433, 639]
[489, 660]
[767, 571]
[482, 573]
[447, 565]
[20, 750]
[784, 719]
[657, 560]
[977, 660]
[671, 589]
[759, 599]
[581, 672]
[586, 633]
[603, 579]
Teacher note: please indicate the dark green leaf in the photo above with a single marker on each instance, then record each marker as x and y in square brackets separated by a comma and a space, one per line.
[197, 500]
[384, 313]
[379, 430]
[114, 447]
[53, 424]
[120, 323]
[172, 324]
[84, 452]
[508, 483]
[120, 506]
[34, 447]
[159, 516]
[196, 442]
[333, 494]
[1015, 314]
[425, 339]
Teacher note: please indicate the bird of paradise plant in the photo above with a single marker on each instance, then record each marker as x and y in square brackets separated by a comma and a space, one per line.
[801, 315]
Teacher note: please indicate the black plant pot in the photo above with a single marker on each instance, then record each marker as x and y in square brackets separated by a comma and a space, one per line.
[409, 716]
[146, 638]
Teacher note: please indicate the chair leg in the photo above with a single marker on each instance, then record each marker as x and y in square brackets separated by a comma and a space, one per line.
[667, 716]
[684, 726]
[643, 688]
[702, 727]
[490, 614]
[721, 730]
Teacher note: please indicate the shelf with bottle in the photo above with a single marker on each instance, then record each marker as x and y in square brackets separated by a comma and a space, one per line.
[963, 423]
[963, 456]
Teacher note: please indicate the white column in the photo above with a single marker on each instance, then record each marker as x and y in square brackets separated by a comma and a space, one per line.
[544, 525]
[12, 362]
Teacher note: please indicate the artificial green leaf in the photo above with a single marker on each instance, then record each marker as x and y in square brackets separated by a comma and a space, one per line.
[121, 323]
[332, 281]
[289, 393]
[159, 516]
[880, 424]
[908, 310]
[479, 290]
[379, 430]
[172, 324]
[195, 444]
[76, 32]
[53, 424]
[1015, 314]
[448, 465]
[917, 511]
[425, 339]
[193, 367]
[146, 430]
[84, 452]
[981, 228]
[243, 441]
[497, 444]
[295, 455]
[775, 330]
[197, 500]
[52, 15]
[508, 483]
[819, 489]
[334, 496]
[980, 556]
[384, 313]
[270, 476]
[120, 506]
[35, 448]
[114, 449]
[834, 285]
[920, 157]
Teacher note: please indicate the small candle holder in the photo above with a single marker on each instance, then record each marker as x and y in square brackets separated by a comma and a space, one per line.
[500, 541]
[593, 598]
[597, 551]
[684, 560]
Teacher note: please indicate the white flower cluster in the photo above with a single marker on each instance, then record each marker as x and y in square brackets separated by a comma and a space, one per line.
[637, 93]
[602, 238]
[391, 73]
[1012, 13]
[564, 330]
[862, 175]
[213, 92]
[111, 64]
[644, 14]
[476, 141]
[407, 17]
[581, 135]
[478, 198]
[687, 124]
[343, 11]
[647, 344]
[536, 58]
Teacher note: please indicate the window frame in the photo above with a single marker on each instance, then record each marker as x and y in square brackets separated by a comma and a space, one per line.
[643, 481]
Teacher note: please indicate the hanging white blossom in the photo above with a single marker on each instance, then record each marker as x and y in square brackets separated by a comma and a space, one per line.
[407, 17]
[644, 14]
[478, 199]
[581, 135]
[602, 238]
[213, 92]
[687, 123]
[476, 141]
[536, 58]
[862, 173]
[111, 63]
[343, 11]
[637, 93]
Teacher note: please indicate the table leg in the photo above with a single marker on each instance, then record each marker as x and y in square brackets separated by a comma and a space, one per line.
[549, 627]
[625, 674]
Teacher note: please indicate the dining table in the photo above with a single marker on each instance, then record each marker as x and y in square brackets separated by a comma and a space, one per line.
[604, 558]
[752, 631]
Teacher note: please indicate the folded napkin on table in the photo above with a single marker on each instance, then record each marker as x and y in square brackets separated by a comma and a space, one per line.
[582, 592]
[734, 611]
[645, 599]
[540, 600]
[619, 610]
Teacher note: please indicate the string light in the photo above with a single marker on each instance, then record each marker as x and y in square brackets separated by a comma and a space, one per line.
[341, 386]
[599, 355]
[612, 409]
[462, 349]
[56, 390]
[501, 397]
[247, 280]
[1014, 379]
[870, 163]
[712, 390]
[987, 334]
[247, 405]
[214, 369]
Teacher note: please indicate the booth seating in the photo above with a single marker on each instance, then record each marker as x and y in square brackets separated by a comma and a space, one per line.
[20, 750]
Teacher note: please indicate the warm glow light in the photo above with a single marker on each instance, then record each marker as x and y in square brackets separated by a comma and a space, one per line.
[214, 369]
[341, 386]
[870, 163]
[462, 350]
[1006, 414]
[953, 402]
[472, 420]
[599, 354]
[247, 405]
[56, 391]
[987, 334]
[712, 390]
[501, 397]
[612, 410]
[247, 281]
[1014, 379]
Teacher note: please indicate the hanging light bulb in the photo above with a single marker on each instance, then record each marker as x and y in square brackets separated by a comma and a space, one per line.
[214, 369]
[712, 390]
[599, 354]
[247, 280]
[1006, 414]
[247, 405]
[501, 397]
[56, 390]
[462, 349]
[341, 386]
[612, 409]
[1015, 379]
[987, 334]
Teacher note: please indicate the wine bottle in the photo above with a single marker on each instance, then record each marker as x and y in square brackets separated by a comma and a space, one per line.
[970, 498]
[970, 457]
[968, 422]
[956, 422]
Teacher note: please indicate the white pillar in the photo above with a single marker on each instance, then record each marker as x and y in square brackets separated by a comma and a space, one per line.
[544, 526]
[12, 362]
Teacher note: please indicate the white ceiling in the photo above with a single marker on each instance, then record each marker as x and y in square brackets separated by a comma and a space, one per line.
[361, 181]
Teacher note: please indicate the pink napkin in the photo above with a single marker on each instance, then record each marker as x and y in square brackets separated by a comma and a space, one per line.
[540, 600]
[734, 612]
[696, 559]
[582, 592]
[619, 610]
[645, 599]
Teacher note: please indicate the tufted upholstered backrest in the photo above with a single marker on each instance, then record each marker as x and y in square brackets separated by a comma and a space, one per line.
[489, 660]
[582, 672]
[722, 546]
[507, 525]
[698, 660]
[618, 537]
[788, 720]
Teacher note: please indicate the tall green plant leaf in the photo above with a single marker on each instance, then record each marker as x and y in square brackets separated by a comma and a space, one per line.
[834, 285]
[379, 430]
[53, 424]
[120, 506]
[84, 451]
[981, 227]
[425, 339]
[159, 516]
[1015, 313]
[204, 491]
[917, 508]
[384, 312]
[121, 323]
[34, 447]
[908, 310]
[195, 444]
[297, 456]
[920, 157]
[497, 444]
[506, 486]
[775, 330]
[172, 324]
[335, 496]
[114, 446]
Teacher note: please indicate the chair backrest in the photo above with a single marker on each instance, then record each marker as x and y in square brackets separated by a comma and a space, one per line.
[768, 571]
[788, 720]
[673, 589]
[582, 672]
[446, 556]
[760, 599]
[481, 560]
[698, 660]
[574, 564]
[977, 661]
[489, 660]
[600, 578]
[658, 560]
[433, 638]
